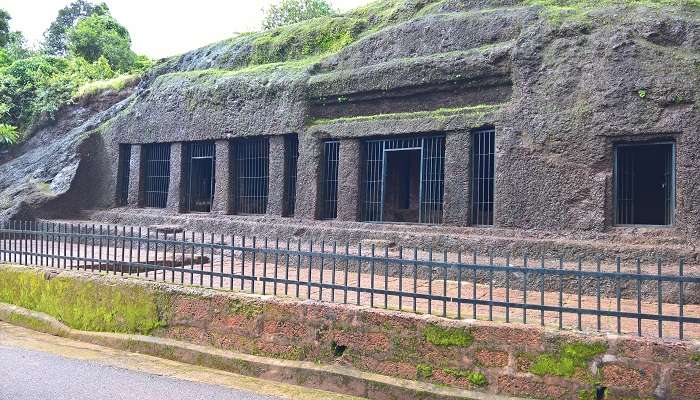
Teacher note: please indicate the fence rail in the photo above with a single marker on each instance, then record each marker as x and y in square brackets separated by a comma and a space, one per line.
[568, 295]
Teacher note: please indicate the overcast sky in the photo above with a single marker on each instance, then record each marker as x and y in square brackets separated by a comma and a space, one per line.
[159, 28]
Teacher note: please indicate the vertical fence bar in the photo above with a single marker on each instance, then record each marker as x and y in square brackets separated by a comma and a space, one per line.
[659, 293]
[681, 299]
[639, 298]
[346, 272]
[542, 266]
[444, 285]
[598, 295]
[618, 295]
[459, 284]
[386, 278]
[252, 265]
[525, 288]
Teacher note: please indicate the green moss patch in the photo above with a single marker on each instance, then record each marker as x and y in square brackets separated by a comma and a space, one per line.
[558, 11]
[305, 39]
[424, 371]
[249, 310]
[568, 359]
[440, 336]
[476, 378]
[439, 113]
[83, 305]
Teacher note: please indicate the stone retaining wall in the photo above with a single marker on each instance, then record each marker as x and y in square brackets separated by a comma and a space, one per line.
[495, 358]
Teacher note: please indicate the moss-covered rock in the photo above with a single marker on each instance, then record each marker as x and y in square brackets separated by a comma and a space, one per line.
[441, 336]
[84, 305]
[568, 359]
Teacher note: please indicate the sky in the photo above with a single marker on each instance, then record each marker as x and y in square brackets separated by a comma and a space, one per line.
[158, 28]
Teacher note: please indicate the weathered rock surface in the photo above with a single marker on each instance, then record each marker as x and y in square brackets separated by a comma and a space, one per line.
[42, 170]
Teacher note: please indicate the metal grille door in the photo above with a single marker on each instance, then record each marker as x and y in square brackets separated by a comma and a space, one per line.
[156, 160]
[331, 160]
[290, 158]
[201, 165]
[252, 175]
[430, 176]
[123, 169]
[625, 186]
[644, 183]
[483, 168]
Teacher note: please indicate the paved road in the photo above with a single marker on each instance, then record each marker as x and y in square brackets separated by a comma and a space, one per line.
[33, 375]
[37, 366]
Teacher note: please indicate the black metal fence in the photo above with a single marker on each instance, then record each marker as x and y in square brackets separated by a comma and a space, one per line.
[656, 299]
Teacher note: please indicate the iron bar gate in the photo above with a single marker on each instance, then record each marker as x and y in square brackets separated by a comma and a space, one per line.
[430, 175]
[600, 294]
[123, 170]
[633, 183]
[200, 172]
[252, 175]
[156, 173]
[483, 170]
[291, 158]
[331, 161]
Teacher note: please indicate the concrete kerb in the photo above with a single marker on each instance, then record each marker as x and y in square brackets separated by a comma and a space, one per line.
[329, 377]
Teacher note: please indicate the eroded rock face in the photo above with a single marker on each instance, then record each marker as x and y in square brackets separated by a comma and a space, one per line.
[560, 90]
[42, 170]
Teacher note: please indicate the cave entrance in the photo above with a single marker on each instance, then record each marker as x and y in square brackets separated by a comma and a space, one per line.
[200, 176]
[644, 184]
[402, 185]
[404, 179]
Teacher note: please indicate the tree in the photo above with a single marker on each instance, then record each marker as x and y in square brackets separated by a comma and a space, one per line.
[101, 35]
[56, 37]
[8, 135]
[4, 27]
[292, 11]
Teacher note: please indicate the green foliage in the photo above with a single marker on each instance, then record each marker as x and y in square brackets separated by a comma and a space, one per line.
[82, 305]
[570, 358]
[424, 371]
[642, 93]
[558, 11]
[440, 336]
[56, 37]
[36, 85]
[8, 134]
[307, 39]
[4, 27]
[292, 11]
[102, 36]
[41, 84]
[95, 87]
[476, 378]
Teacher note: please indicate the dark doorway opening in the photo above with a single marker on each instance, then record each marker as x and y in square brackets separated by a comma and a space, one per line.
[291, 157]
[251, 168]
[402, 186]
[404, 179]
[644, 184]
[200, 176]
[123, 174]
[483, 172]
[156, 174]
[331, 163]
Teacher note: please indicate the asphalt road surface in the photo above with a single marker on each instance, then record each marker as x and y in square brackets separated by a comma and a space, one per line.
[34, 375]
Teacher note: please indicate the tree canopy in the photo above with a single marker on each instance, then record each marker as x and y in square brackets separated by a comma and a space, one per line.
[292, 11]
[4, 27]
[56, 37]
[101, 35]
[84, 44]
